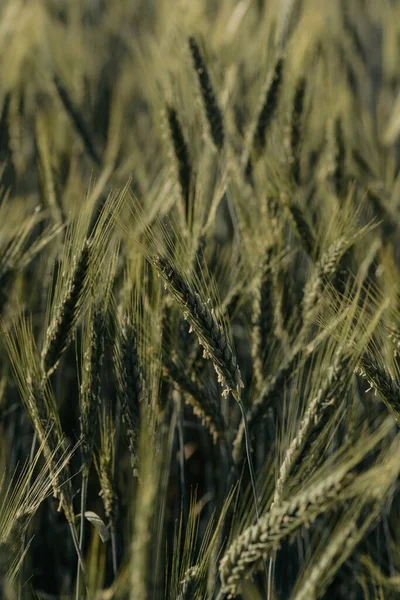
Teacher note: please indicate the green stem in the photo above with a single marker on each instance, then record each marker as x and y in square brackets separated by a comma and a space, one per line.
[79, 553]
[251, 469]
[114, 547]
[82, 530]
[181, 438]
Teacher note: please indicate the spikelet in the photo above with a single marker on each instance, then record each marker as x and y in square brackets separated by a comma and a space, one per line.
[205, 407]
[182, 156]
[303, 228]
[381, 381]
[205, 325]
[295, 130]
[20, 500]
[268, 107]
[130, 381]
[105, 465]
[265, 537]
[339, 547]
[17, 249]
[188, 584]
[77, 120]
[272, 390]
[358, 518]
[266, 113]
[263, 317]
[213, 111]
[93, 353]
[324, 269]
[339, 158]
[81, 261]
[45, 168]
[40, 404]
[317, 413]
[60, 329]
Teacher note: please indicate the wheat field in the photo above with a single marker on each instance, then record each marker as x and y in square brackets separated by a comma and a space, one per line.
[199, 299]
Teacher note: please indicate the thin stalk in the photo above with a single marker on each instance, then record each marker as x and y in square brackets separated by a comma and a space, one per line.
[82, 530]
[163, 488]
[181, 438]
[270, 577]
[112, 520]
[114, 546]
[79, 553]
[249, 459]
[251, 470]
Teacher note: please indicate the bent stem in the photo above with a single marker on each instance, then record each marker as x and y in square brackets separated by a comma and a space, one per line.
[249, 459]
[81, 563]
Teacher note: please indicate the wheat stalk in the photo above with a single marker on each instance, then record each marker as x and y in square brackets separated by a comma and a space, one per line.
[265, 537]
[105, 467]
[273, 388]
[268, 107]
[182, 156]
[130, 382]
[77, 120]
[204, 406]
[266, 112]
[205, 325]
[323, 270]
[340, 158]
[263, 317]
[188, 584]
[295, 129]
[61, 327]
[338, 549]
[270, 393]
[322, 405]
[381, 381]
[213, 111]
[91, 383]
[303, 228]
